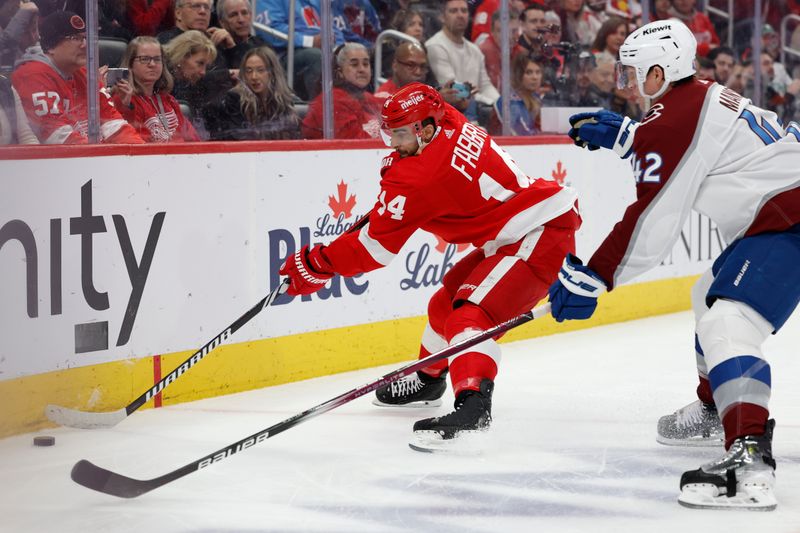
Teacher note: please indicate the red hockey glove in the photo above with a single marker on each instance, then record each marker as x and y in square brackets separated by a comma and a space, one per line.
[308, 271]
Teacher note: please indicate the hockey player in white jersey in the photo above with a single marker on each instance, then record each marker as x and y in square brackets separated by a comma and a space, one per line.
[701, 146]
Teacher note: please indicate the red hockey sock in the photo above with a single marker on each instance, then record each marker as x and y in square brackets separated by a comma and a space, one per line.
[744, 419]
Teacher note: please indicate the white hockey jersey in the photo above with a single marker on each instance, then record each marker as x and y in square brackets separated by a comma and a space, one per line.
[703, 147]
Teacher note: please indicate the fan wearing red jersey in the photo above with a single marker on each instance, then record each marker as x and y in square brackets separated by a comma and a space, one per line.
[449, 177]
[53, 84]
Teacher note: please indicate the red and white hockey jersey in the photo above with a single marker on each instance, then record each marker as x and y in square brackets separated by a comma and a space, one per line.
[462, 187]
[703, 147]
[56, 106]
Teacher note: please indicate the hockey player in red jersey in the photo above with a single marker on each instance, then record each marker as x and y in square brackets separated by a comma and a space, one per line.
[449, 177]
[703, 147]
[52, 86]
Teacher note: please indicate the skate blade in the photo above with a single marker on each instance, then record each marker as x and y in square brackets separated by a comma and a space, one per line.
[694, 443]
[465, 443]
[411, 405]
[750, 498]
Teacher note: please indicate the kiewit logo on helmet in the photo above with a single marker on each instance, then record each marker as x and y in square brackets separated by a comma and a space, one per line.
[658, 28]
[412, 100]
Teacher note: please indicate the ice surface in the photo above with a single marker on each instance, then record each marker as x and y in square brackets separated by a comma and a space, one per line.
[572, 449]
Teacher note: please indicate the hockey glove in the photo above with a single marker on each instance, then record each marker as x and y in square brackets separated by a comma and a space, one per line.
[308, 271]
[574, 295]
[603, 129]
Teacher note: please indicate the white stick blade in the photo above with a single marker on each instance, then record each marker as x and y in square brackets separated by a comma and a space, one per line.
[64, 416]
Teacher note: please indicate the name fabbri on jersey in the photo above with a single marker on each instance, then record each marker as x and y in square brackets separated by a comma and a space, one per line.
[467, 149]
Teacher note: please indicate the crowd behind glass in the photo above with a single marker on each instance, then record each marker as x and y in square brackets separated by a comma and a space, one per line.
[194, 70]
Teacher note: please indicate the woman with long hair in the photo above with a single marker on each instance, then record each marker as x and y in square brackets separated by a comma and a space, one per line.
[526, 96]
[610, 37]
[260, 107]
[188, 57]
[356, 111]
[144, 99]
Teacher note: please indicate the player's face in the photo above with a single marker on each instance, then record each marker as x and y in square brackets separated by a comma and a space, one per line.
[654, 80]
[356, 69]
[256, 75]
[403, 140]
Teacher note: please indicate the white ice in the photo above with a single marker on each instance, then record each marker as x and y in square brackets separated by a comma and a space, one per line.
[572, 449]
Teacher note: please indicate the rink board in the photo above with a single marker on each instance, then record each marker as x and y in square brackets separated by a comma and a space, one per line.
[106, 288]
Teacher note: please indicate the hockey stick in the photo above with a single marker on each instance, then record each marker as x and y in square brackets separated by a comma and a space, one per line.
[89, 420]
[97, 478]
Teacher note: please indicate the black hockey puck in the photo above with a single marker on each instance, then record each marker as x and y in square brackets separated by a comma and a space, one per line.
[44, 440]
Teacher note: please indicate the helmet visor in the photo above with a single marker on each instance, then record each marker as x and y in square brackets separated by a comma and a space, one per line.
[625, 76]
[401, 136]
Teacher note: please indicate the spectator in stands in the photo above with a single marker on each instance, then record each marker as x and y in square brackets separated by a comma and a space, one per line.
[662, 9]
[610, 37]
[527, 77]
[411, 22]
[18, 30]
[236, 17]
[307, 40]
[454, 59]
[408, 21]
[150, 17]
[581, 96]
[260, 107]
[533, 26]
[490, 47]
[410, 64]
[14, 127]
[579, 23]
[705, 69]
[357, 20]
[484, 13]
[144, 99]
[698, 22]
[52, 86]
[188, 56]
[603, 82]
[724, 59]
[356, 111]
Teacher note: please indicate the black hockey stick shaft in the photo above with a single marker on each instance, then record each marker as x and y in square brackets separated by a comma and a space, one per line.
[197, 356]
[97, 478]
[84, 419]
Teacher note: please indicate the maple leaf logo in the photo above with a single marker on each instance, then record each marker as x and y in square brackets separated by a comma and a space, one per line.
[342, 204]
[559, 174]
[441, 245]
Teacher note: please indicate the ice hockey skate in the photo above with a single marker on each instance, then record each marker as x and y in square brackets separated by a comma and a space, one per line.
[697, 424]
[461, 431]
[417, 390]
[742, 479]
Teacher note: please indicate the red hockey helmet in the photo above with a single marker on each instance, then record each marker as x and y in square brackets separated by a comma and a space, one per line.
[412, 104]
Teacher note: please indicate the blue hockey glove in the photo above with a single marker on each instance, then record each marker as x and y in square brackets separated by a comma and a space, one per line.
[574, 295]
[604, 129]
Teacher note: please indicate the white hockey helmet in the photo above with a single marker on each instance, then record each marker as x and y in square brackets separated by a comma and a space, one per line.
[666, 43]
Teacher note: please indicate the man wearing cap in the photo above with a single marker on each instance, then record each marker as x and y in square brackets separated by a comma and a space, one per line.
[52, 85]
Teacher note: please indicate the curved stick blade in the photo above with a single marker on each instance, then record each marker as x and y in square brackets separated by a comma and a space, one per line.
[64, 416]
